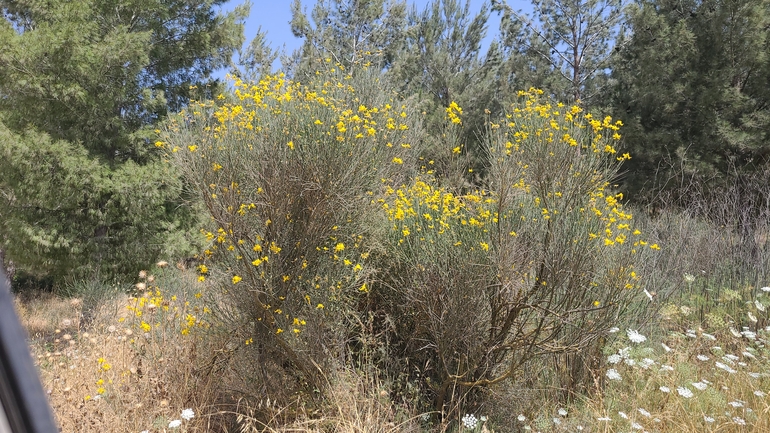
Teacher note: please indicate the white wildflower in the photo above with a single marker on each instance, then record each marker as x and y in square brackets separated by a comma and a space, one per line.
[665, 389]
[665, 367]
[556, 421]
[751, 335]
[604, 418]
[188, 414]
[562, 412]
[623, 415]
[636, 426]
[765, 289]
[613, 374]
[708, 419]
[175, 423]
[666, 348]
[635, 336]
[644, 412]
[752, 317]
[483, 418]
[689, 278]
[629, 361]
[646, 363]
[469, 421]
[684, 392]
[739, 421]
[759, 305]
[725, 367]
[709, 336]
[702, 358]
[690, 333]
[759, 393]
[735, 333]
[613, 330]
[736, 403]
[755, 375]
[614, 358]
[700, 386]
[521, 418]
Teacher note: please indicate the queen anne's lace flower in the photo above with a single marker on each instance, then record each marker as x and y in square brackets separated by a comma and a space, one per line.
[613, 374]
[469, 421]
[684, 392]
[635, 336]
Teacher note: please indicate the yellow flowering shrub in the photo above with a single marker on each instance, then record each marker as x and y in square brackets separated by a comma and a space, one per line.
[539, 260]
[288, 173]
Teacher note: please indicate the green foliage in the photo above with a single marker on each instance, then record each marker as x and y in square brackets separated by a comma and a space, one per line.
[692, 87]
[571, 38]
[83, 84]
[65, 213]
[442, 63]
[348, 32]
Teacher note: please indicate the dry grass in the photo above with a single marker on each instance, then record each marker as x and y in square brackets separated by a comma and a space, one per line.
[109, 376]
[355, 403]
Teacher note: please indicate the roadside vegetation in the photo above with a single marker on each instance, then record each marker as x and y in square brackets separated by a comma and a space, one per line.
[384, 236]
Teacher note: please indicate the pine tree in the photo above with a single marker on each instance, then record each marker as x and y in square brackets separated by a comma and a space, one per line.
[347, 32]
[574, 38]
[692, 88]
[83, 86]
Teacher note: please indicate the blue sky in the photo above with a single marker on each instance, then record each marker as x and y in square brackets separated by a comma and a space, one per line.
[273, 16]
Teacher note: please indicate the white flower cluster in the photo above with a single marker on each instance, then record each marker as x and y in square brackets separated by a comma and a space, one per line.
[186, 415]
[635, 336]
[470, 421]
[613, 374]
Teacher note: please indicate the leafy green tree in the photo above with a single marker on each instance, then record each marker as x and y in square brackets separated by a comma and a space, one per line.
[83, 84]
[692, 87]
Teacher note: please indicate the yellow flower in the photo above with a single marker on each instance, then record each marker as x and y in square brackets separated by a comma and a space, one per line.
[339, 247]
[192, 148]
[291, 145]
[397, 160]
[320, 306]
[236, 279]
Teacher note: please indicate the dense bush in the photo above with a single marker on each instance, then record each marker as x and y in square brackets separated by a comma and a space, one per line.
[333, 236]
